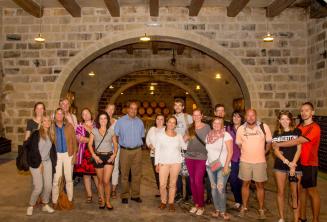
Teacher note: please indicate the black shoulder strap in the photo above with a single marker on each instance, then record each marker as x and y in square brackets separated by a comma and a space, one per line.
[200, 140]
[263, 128]
[101, 140]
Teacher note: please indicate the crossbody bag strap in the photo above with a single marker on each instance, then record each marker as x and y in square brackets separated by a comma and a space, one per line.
[222, 146]
[101, 140]
[200, 140]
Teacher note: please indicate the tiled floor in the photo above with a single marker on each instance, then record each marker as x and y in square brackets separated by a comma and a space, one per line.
[15, 190]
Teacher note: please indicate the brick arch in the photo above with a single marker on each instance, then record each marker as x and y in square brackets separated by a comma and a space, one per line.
[193, 40]
[201, 97]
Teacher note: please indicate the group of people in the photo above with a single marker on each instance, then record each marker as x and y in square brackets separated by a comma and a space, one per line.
[184, 149]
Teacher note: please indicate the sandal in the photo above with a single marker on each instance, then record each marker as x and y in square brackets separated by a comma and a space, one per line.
[215, 214]
[114, 194]
[89, 199]
[225, 216]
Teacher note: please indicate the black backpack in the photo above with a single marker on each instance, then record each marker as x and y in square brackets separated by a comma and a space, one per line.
[21, 159]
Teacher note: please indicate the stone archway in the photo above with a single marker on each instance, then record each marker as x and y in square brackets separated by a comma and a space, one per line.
[199, 42]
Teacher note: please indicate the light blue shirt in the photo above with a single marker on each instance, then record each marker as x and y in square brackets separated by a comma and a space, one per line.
[130, 132]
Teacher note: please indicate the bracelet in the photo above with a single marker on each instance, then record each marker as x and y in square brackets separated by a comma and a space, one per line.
[286, 161]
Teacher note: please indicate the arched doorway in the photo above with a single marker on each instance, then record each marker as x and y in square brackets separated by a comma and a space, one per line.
[119, 39]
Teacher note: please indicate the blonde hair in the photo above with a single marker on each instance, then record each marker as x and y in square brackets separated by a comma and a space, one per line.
[43, 133]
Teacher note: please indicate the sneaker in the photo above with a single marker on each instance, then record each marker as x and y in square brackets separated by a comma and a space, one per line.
[193, 210]
[47, 208]
[29, 211]
[199, 212]
[243, 212]
[262, 215]
[237, 206]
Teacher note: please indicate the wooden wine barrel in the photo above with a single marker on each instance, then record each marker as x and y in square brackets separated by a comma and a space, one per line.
[154, 104]
[166, 111]
[149, 111]
[141, 111]
[162, 104]
[145, 104]
[124, 110]
[157, 111]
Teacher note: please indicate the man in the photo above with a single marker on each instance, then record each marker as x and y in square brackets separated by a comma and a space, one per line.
[219, 111]
[254, 140]
[110, 109]
[310, 140]
[70, 117]
[184, 121]
[66, 146]
[130, 130]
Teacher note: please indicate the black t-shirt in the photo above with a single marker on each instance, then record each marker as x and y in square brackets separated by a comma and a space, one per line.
[288, 152]
[32, 125]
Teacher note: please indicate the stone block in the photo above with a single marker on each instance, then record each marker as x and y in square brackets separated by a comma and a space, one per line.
[272, 104]
[11, 54]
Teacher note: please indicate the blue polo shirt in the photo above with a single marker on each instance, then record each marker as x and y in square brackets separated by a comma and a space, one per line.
[130, 131]
[61, 144]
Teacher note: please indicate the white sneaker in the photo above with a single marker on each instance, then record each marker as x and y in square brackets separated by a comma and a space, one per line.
[193, 210]
[237, 206]
[47, 208]
[199, 212]
[29, 211]
[281, 220]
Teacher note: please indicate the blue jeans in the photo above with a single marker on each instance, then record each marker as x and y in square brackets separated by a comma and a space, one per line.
[218, 188]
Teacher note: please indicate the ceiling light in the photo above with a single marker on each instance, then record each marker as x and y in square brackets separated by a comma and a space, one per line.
[111, 87]
[151, 92]
[91, 73]
[39, 38]
[218, 76]
[186, 93]
[145, 38]
[268, 38]
[152, 88]
[198, 87]
[153, 84]
[122, 93]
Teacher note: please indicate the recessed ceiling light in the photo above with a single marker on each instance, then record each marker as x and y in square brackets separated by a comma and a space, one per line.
[151, 92]
[218, 76]
[152, 88]
[186, 93]
[111, 87]
[145, 38]
[198, 87]
[121, 93]
[154, 84]
[91, 73]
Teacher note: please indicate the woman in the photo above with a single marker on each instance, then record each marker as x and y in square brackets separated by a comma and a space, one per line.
[235, 182]
[195, 159]
[286, 165]
[104, 155]
[168, 161]
[42, 159]
[220, 152]
[110, 109]
[34, 123]
[151, 139]
[83, 164]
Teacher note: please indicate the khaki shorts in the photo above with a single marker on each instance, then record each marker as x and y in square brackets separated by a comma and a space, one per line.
[253, 171]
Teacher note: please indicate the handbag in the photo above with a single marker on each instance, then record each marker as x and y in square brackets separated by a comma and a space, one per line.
[216, 164]
[21, 159]
[92, 160]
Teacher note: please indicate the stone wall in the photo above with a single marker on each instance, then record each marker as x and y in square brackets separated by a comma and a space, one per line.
[317, 70]
[277, 70]
[1, 80]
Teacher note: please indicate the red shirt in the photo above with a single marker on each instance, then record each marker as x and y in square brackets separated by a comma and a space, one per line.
[309, 153]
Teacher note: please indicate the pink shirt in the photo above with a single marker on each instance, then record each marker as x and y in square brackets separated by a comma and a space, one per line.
[252, 143]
